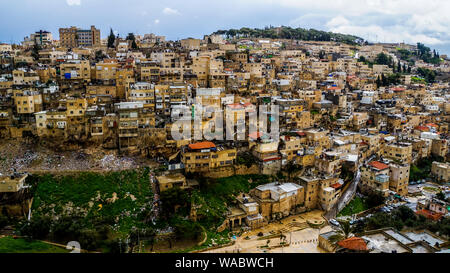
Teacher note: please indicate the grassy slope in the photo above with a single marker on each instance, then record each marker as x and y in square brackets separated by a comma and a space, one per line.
[356, 205]
[53, 194]
[215, 196]
[11, 245]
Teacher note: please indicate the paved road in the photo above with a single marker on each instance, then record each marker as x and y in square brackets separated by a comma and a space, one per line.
[347, 196]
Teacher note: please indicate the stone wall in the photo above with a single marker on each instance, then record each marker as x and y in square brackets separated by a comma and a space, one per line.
[227, 171]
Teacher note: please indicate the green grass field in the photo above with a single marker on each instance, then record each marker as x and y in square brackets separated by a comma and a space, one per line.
[19, 245]
[355, 206]
[91, 195]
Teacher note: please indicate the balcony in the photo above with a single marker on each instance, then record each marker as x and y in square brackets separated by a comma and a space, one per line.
[382, 178]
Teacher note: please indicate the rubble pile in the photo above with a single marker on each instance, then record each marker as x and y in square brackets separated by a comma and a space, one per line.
[23, 157]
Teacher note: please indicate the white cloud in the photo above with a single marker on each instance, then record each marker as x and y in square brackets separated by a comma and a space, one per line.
[73, 2]
[395, 33]
[169, 11]
[412, 21]
[156, 21]
[337, 21]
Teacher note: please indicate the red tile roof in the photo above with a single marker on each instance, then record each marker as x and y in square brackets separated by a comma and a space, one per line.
[202, 145]
[378, 165]
[334, 88]
[336, 186]
[430, 214]
[235, 106]
[432, 125]
[272, 158]
[354, 243]
[422, 128]
[398, 89]
[256, 135]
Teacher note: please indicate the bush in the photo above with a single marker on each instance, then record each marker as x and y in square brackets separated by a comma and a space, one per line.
[404, 216]
[187, 229]
[375, 199]
[3, 221]
[246, 159]
[37, 228]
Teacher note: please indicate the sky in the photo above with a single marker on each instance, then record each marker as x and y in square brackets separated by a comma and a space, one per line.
[410, 21]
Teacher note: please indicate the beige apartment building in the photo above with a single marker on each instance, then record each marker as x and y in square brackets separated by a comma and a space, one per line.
[75, 37]
[169, 181]
[190, 43]
[401, 152]
[278, 200]
[76, 70]
[27, 102]
[441, 171]
[399, 178]
[375, 177]
[204, 156]
[22, 77]
[12, 183]
[142, 92]
[106, 70]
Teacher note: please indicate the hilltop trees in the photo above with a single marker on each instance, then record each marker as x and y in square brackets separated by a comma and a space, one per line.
[382, 58]
[424, 53]
[285, 32]
[427, 74]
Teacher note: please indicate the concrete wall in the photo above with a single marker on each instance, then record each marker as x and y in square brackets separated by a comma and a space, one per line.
[227, 171]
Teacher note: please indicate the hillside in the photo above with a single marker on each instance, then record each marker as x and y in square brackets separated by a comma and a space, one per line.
[92, 208]
[285, 32]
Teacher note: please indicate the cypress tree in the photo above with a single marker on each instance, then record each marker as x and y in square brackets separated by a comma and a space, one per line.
[111, 39]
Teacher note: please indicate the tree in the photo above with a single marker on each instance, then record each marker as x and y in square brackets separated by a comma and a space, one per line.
[384, 81]
[3, 221]
[344, 232]
[111, 39]
[404, 213]
[37, 228]
[383, 59]
[172, 199]
[427, 74]
[379, 83]
[375, 199]
[99, 55]
[187, 229]
[291, 168]
[132, 38]
[322, 54]
[362, 59]
[35, 52]
[441, 196]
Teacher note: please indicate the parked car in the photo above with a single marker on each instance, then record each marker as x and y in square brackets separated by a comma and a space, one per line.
[334, 222]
